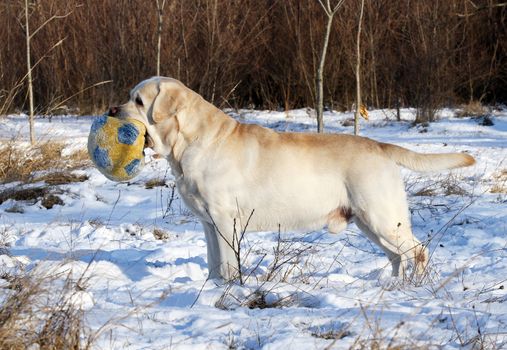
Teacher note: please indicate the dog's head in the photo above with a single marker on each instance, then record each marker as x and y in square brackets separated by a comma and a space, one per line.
[160, 103]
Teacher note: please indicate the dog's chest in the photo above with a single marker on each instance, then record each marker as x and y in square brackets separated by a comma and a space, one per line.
[188, 180]
[192, 197]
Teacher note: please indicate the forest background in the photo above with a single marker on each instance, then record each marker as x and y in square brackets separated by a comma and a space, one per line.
[87, 55]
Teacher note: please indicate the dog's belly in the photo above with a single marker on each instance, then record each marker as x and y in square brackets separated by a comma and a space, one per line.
[274, 219]
[291, 204]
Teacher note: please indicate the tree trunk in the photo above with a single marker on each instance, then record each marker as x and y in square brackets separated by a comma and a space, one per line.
[398, 106]
[29, 76]
[160, 9]
[320, 73]
[358, 72]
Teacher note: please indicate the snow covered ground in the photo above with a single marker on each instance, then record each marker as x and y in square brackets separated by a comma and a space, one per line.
[143, 255]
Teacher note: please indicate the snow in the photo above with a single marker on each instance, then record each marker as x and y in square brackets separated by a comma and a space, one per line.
[150, 291]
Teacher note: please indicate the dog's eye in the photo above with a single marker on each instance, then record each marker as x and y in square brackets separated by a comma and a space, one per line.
[139, 101]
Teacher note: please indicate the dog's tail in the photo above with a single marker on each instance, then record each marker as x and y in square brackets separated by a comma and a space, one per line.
[426, 161]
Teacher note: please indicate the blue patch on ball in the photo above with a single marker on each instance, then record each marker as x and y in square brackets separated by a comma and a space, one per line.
[98, 123]
[101, 157]
[131, 168]
[127, 134]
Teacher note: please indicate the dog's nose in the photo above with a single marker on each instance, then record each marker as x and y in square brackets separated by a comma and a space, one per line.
[113, 111]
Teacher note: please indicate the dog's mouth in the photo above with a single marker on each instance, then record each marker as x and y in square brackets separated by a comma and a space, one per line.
[148, 141]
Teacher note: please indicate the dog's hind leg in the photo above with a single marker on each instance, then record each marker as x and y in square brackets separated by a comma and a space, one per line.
[396, 239]
[393, 253]
[381, 212]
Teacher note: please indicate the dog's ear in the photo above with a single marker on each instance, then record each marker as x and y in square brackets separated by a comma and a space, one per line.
[167, 103]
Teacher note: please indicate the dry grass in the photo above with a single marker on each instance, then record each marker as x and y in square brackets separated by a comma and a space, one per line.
[24, 194]
[152, 183]
[444, 185]
[160, 234]
[61, 178]
[258, 291]
[500, 182]
[472, 109]
[37, 313]
[43, 161]
[48, 196]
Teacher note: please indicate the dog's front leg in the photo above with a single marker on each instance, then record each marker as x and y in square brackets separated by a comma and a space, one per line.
[223, 262]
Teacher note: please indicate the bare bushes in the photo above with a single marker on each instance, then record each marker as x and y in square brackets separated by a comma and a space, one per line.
[24, 167]
[472, 109]
[38, 311]
[499, 182]
[426, 54]
[256, 281]
[450, 184]
[44, 161]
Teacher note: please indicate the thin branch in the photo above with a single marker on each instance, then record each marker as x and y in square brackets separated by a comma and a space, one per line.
[81, 91]
[45, 55]
[480, 8]
[327, 9]
[338, 5]
[52, 18]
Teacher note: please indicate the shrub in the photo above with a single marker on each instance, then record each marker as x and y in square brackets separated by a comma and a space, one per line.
[36, 311]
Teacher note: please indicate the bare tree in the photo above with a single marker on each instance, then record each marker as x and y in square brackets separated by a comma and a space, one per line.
[319, 83]
[358, 72]
[29, 67]
[160, 18]
[29, 72]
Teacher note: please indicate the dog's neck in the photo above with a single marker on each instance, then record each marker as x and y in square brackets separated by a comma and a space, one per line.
[196, 124]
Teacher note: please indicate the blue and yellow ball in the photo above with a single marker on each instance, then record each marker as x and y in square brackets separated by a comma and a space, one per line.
[116, 147]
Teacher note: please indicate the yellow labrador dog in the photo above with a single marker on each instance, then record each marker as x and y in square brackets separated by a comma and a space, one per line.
[225, 171]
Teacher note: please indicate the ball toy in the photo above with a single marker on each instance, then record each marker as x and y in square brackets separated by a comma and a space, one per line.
[116, 147]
